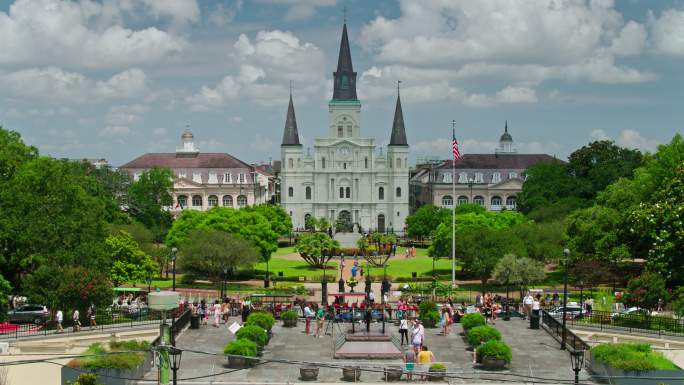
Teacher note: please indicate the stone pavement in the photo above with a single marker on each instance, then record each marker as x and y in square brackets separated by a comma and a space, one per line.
[535, 354]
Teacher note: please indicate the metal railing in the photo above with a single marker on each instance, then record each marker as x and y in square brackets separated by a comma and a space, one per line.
[555, 328]
[105, 319]
[630, 323]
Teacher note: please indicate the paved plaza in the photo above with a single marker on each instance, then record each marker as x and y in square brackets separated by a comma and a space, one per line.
[535, 354]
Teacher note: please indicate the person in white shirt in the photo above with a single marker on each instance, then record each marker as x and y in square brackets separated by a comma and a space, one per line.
[403, 330]
[527, 305]
[536, 307]
[417, 336]
[59, 317]
[308, 315]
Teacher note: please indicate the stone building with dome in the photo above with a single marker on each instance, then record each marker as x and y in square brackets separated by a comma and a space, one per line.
[490, 180]
[347, 177]
[203, 180]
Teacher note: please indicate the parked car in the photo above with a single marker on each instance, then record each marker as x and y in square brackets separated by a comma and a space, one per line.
[38, 314]
[633, 311]
[572, 311]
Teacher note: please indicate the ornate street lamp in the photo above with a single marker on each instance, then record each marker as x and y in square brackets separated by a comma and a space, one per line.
[566, 252]
[175, 358]
[224, 288]
[577, 360]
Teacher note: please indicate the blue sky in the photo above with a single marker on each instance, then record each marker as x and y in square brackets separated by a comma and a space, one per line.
[116, 79]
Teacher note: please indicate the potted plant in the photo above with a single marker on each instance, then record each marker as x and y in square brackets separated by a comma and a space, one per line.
[132, 360]
[393, 373]
[632, 364]
[289, 318]
[351, 373]
[482, 334]
[430, 318]
[472, 320]
[351, 282]
[493, 354]
[263, 319]
[308, 372]
[239, 352]
[437, 372]
[255, 334]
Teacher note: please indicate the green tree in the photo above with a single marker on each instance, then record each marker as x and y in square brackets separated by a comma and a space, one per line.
[595, 233]
[5, 290]
[205, 253]
[546, 183]
[645, 291]
[678, 301]
[149, 196]
[481, 249]
[69, 287]
[316, 248]
[519, 272]
[128, 262]
[13, 153]
[280, 221]
[543, 240]
[425, 220]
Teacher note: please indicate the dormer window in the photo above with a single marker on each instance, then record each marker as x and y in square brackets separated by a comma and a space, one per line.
[197, 177]
[463, 177]
[227, 178]
[512, 175]
[479, 177]
[496, 177]
[213, 179]
[447, 178]
[242, 178]
[182, 174]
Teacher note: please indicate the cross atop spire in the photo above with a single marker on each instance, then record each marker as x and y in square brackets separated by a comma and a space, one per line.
[506, 126]
[345, 77]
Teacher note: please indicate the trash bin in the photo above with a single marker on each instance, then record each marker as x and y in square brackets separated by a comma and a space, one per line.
[194, 321]
[534, 321]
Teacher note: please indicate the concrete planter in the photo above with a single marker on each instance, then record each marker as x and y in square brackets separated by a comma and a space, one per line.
[240, 362]
[290, 323]
[648, 377]
[308, 373]
[491, 363]
[393, 373]
[110, 376]
[437, 374]
[351, 373]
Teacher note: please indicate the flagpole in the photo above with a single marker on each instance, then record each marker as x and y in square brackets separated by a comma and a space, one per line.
[453, 210]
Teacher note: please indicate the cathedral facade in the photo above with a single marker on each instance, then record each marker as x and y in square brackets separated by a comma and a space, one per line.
[347, 178]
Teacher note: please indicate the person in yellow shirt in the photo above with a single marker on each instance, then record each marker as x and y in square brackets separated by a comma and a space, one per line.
[425, 358]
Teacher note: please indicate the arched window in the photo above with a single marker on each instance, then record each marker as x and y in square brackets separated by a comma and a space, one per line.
[398, 163]
[227, 201]
[365, 161]
[347, 192]
[323, 162]
[512, 202]
[341, 192]
[212, 201]
[447, 201]
[349, 130]
[242, 201]
[496, 201]
[182, 201]
[381, 193]
[197, 201]
[381, 223]
[478, 200]
[308, 192]
[290, 163]
[462, 199]
[398, 192]
[340, 131]
[290, 192]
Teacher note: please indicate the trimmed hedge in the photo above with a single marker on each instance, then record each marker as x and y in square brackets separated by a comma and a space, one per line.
[264, 320]
[128, 360]
[289, 315]
[472, 320]
[253, 333]
[241, 347]
[494, 349]
[631, 357]
[481, 334]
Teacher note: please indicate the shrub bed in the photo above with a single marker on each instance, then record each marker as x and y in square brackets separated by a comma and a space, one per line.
[631, 357]
[472, 320]
[253, 333]
[128, 360]
[482, 334]
[262, 319]
[241, 347]
[494, 349]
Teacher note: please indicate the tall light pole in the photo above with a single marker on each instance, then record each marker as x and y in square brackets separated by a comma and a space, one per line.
[174, 251]
[566, 252]
[471, 181]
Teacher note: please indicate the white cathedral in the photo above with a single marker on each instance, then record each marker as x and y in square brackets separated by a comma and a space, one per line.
[346, 177]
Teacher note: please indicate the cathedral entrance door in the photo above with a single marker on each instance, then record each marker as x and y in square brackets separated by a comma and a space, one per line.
[344, 222]
[381, 223]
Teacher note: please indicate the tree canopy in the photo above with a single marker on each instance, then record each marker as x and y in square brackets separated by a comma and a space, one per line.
[518, 272]
[128, 262]
[149, 196]
[425, 220]
[316, 248]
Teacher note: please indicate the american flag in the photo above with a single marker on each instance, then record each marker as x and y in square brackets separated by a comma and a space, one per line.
[454, 147]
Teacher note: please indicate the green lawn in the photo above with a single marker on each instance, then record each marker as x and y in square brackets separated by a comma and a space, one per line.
[283, 251]
[292, 268]
[403, 267]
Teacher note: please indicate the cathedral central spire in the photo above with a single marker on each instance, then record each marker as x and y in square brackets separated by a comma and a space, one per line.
[344, 77]
[291, 135]
[398, 137]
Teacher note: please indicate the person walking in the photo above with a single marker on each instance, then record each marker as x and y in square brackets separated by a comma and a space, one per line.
[403, 330]
[91, 316]
[409, 363]
[417, 336]
[76, 318]
[59, 317]
[320, 316]
[217, 313]
[536, 306]
[308, 315]
[527, 305]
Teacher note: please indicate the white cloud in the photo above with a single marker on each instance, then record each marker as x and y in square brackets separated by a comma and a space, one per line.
[301, 9]
[264, 68]
[262, 144]
[633, 139]
[54, 85]
[179, 11]
[81, 34]
[513, 94]
[113, 131]
[222, 15]
[161, 131]
[124, 115]
[598, 134]
[667, 32]
[515, 44]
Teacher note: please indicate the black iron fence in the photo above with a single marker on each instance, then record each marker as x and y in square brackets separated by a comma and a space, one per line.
[104, 319]
[555, 327]
[641, 323]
